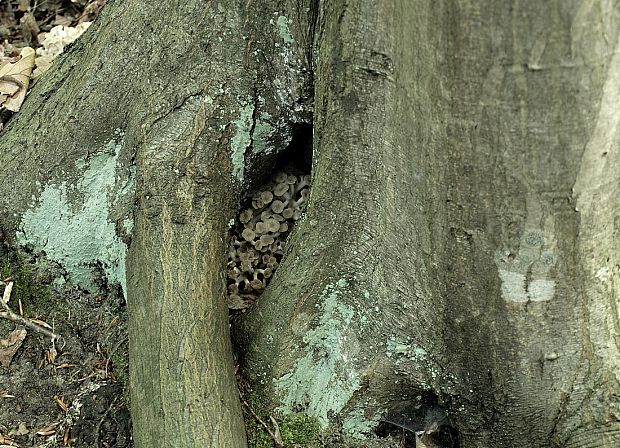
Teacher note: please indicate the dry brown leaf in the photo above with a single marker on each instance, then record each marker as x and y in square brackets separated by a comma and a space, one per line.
[67, 439]
[48, 430]
[8, 87]
[17, 73]
[50, 355]
[61, 404]
[42, 323]
[10, 345]
[65, 365]
[5, 440]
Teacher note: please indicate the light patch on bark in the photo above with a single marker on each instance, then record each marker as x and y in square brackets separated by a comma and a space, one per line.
[323, 380]
[284, 31]
[357, 425]
[70, 222]
[597, 192]
[261, 135]
[242, 138]
[525, 275]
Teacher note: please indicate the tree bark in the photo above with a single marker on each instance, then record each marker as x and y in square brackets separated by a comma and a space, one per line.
[135, 147]
[459, 255]
[466, 256]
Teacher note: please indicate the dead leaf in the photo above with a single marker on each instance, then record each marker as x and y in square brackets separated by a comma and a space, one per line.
[50, 355]
[6, 295]
[42, 323]
[67, 439]
[64, 365]
[6, 442]
[48, 430]
[10, 345]
[17, 74]
[61, 404]
[29, 28]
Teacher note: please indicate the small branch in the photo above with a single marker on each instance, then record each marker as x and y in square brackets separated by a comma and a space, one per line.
[277, 439]
[10, 315]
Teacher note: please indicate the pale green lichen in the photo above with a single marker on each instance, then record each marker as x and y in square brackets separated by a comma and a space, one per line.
[284, 31]
[357, 425]
[411, 351]
[128, 225]
[323, 380]
[262, 133]
[242, 138]
[70, 222]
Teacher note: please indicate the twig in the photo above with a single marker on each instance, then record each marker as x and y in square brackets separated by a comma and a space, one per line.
[10, 315]
[277, 439]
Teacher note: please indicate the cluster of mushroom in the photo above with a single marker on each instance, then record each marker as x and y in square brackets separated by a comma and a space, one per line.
[259, 236]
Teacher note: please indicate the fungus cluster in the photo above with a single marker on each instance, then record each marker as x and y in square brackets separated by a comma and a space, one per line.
[259, 236]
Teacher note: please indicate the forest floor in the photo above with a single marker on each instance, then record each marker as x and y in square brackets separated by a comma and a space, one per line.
[71, 392]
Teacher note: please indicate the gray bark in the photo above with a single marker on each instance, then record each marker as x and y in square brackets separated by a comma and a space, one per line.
[459, 248]
[130, 154]
[459, 252]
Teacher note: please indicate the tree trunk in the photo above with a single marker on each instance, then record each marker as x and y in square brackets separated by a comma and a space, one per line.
[460, 248]
[135, 146]
[458, 260]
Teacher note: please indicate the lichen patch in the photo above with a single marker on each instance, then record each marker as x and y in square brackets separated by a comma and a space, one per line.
[70, 222]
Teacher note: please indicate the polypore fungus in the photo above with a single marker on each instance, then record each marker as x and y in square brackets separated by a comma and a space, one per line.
[259, 236]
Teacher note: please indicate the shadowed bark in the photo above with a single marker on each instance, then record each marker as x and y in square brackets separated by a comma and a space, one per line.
[458, 260]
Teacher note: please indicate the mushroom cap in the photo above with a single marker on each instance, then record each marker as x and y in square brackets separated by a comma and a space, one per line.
[291, 179]
[237, 303]
[248, 234]
[257, 284]
[245, 216]
[283, 227]
[272, 225]
[280, 177]
[246, 266]
[261, 227]
[277, 206]
[266, 239]
[265, 215]
[281, 189]
[287, 213]
[266, 196]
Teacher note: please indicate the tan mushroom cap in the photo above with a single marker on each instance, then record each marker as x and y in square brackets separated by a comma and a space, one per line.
[248, 234]
[266, 196]
[277, 206]
[281, 189]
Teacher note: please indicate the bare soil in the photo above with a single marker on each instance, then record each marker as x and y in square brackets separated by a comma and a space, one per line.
[70, 392]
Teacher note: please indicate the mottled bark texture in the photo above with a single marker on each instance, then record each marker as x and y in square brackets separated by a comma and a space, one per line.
[141, 133]
[460, 247]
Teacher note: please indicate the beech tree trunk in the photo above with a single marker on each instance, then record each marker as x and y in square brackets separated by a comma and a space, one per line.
[458, 260]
